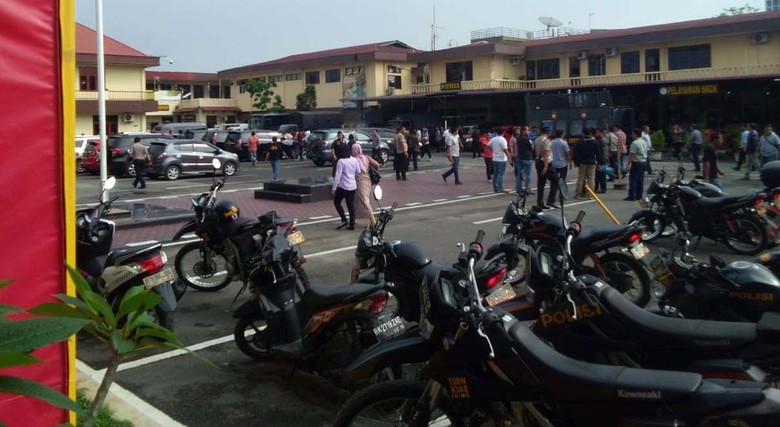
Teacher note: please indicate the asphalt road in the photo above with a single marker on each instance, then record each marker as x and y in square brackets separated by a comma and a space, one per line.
[242, 391]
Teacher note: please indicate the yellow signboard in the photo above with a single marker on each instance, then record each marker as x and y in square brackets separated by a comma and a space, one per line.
[693, 90]
[450, 86]
[163, 107]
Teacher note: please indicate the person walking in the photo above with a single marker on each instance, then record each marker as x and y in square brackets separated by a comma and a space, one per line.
[339, 150]
[363, 182]
[251, 148]
[743, 137]
[561, 155]
[139, 155]
[545, 171]
[401, 159]
[586, 156]
[499, 148]
[623, 148]
[413, 142]
[677, 141]
[649, 144]
[612, 146]
[344, 189]
[275, 154]
[695, 140]
[637, 156]
[453, 155]
[300, 144]
[487, 157]
[523, 159]
[751, 151]
[710, 161]
[604, 159]
[769, 143]
[376, 146]
[425, 140]
[476, 144]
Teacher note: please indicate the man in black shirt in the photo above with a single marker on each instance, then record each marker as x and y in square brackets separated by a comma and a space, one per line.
[339, 150]
[586, 158]
[476, 146]
[523, 159]
[710, 160]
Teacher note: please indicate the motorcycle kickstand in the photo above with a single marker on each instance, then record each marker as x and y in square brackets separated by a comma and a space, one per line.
[240, 291]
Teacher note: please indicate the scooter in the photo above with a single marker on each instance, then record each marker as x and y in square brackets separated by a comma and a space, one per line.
[113, 272]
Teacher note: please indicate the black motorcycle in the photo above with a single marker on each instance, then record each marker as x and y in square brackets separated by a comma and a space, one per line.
[112, 273]
[229, 245]
[488, 367]
[612, 252]
[317, 327]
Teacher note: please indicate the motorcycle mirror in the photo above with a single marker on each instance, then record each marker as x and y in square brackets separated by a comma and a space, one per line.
[110, 183]
[216, 164]
[378, 193]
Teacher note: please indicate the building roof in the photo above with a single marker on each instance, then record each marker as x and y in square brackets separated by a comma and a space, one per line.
[115, 51]
[484, 47]
[389, 50]
[181, 76]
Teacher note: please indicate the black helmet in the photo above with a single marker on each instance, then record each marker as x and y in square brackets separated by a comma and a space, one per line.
[226, 211]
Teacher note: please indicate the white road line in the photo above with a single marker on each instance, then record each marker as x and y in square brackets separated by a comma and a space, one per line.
[320, 217]
[332, 251]
[485, 192]
[464, 196]
[169, 197]
[129, 398]
[414, 204]
[439, 200]
[174, 353]
[485, 221]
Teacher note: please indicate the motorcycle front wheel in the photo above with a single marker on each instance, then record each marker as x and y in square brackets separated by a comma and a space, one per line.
[392, 404]
[197, 273]
[252, 336]
[749, 236]
[627, 275]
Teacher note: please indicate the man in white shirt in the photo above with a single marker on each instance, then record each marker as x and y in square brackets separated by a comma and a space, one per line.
[648, 145]
[500, 157]
[452, 143]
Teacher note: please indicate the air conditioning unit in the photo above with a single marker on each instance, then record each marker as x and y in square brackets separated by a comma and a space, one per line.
[610, 51]
[582, 55]
[515, 60]
[128, 117]
[760, 38]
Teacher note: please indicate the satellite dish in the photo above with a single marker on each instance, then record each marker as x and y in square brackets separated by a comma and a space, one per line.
[550, 22]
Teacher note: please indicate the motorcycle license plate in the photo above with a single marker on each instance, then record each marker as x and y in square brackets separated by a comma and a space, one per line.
[503, 293]
[389, 328]
[639, 251]
[295, 238]
[761, 210]
[166, 275]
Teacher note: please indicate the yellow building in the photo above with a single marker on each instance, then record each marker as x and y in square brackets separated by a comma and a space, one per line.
[190, 97]
[127, 99]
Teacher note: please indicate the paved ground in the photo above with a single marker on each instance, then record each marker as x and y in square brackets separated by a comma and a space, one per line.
[241, 391]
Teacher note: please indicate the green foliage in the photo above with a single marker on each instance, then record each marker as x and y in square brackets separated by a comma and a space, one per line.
[261, 91]
[105, 417]
[307, 100]
[658, 140]
[733, 135]
[19, 338]
[747, 8]
[278, 106]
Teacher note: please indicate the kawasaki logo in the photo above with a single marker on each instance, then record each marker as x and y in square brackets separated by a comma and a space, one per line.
[648, 395]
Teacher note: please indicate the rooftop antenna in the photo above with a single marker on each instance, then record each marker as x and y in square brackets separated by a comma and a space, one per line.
[550, 22]
[434, 35]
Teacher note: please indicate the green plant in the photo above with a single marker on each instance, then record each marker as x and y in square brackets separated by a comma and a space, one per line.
[19, 337]
[105, 417]
[658, 140]
[307, 100]
[278, 106]
[127, 330]
[261, 91]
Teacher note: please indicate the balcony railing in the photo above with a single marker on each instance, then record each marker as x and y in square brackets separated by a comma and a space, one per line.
[607, 80]
[116, 95]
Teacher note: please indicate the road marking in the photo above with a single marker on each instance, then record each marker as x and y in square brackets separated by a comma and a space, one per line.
[320, 217]
[485, 221]
[169, 197]
[465, 196]
[328, 252]
[440, 200]
[174, 353]
[159, 417]
[485, 192]
[414, 204]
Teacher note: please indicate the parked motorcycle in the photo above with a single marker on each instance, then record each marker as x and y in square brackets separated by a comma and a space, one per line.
[113, 272]
[229, 245]
[488, 367]
[317, 327]
[612, 252]
[732, 220]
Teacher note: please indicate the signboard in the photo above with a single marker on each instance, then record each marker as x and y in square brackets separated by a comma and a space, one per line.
[449, 86]
[353, 85]
[692, 90]
[163, 107]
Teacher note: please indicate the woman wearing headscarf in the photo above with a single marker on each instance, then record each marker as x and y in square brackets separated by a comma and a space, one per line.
[363, 195]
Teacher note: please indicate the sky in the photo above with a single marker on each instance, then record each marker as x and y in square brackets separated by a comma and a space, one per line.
[214, 35]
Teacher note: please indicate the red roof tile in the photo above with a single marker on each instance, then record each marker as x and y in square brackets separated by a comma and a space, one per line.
[86, 42]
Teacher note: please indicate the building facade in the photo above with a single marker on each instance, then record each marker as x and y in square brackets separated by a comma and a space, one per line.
[190, 97]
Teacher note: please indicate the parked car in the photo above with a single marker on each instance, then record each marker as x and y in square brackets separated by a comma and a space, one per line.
[321, 141]
[81, 143]
[90, 158]
[386, 135]
[221, 136]
[195, 134]
[176, 128]
[173, 157]
[118, 144]
[236, 142]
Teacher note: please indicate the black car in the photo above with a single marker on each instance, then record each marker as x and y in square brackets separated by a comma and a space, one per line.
[172, 158]
[236, 142]
[118, 144]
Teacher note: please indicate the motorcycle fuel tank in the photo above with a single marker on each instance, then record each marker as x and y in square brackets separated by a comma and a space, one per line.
[408, 256]
[756, 289]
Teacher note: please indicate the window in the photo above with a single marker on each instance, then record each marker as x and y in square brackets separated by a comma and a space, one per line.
[686, 57]
[574, 66]
[276, 78]
[459, 71]
[292, 76]
[333, 76]
[597, 65]
[226, 92]
[543, 69]
[197, 91]
[312, 77]
[629, 62]
[394, 82]
[393, 69]
[349, 71]
[165, 86]
[183, 147]
[242, 86]
[652, 61]
[213, 91]
[87, 78]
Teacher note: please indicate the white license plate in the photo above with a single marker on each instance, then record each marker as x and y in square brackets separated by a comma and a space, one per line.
[389, 328]
[166, 275]
[639, 251]
[503, 293]
[295, 238]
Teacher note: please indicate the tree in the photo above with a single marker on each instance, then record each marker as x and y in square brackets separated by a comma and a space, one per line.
[307, 100]
[261, 91]
[747, 8]
[278, 106]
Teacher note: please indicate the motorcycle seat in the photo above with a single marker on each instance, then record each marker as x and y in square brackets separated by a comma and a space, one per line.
[768, 327]
[319, 297]
[589, 236]
[573, 380]
[675, 334]
[119, 255]
[240, 226]
[718, 202]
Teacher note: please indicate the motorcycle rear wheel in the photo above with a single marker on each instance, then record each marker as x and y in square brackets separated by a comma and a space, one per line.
[749, 237]
[197, 274]
[655, 227]
[390, 403]
[619, 263]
